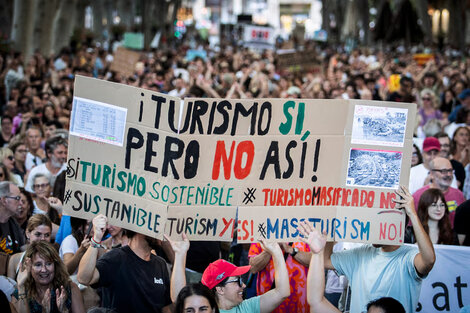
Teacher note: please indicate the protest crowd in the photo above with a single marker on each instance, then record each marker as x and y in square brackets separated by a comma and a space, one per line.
[52, 262]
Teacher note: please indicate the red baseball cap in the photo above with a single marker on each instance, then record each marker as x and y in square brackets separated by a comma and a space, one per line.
[219, 270]
[431, 143]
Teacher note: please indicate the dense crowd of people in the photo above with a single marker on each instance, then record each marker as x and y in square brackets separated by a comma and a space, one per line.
[55, 263]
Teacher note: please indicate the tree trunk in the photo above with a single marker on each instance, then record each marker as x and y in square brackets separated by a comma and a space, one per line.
[80, 13]
[126, 11]
[6, 15]
[97, 7]
[45, 24]
[364, 18]
[456, 34]
[108, 13]
[422, 11]
[23, 27]
[64, 24]
[153, 15]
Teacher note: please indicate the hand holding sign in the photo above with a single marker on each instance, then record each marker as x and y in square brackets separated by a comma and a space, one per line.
[99, 227]
[271, 247]
[179, 247]
[404, 201]
[312, 237]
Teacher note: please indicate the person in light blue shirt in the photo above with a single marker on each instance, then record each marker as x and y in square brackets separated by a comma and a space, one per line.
[316, 278]
[376, 271]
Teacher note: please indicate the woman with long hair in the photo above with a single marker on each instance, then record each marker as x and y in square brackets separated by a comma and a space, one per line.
[428, 107]
[44, 284]
[25, 209]
[416, 157]
[8, 160]
[39, 228]
[459, 146]
[196, 298]
[20, 151]
[434, 216]
[74, 246]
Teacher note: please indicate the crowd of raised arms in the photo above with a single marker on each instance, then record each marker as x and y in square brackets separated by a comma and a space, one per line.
[51, 262]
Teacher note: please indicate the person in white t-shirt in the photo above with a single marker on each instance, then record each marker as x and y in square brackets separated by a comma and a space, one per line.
[56, 151]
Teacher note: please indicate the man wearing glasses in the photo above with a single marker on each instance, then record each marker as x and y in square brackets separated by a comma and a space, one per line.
[442, 174]
[11, 235]
[420, 175]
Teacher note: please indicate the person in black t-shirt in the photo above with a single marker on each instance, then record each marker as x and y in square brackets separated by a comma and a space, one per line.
[11, 235]
[134, 279]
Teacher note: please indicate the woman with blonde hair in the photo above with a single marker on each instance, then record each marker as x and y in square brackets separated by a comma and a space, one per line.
[428, 107]
[44, 284]
[7, 159]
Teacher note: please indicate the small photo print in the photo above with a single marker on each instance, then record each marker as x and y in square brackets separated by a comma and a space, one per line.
[383, 126]
[374, 168]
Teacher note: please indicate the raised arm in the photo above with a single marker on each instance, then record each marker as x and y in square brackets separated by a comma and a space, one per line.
[87, 272]
[178, 276]
[71, 260]
[271, 299]
[260, 261]
[303, 257]
[424, 260]
[316, 272]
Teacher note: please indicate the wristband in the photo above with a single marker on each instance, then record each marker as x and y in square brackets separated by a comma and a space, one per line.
[95, 244]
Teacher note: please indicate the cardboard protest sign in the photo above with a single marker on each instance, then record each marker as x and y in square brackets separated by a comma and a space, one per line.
[217, 223]
[258, 37]
[299, 61]
[124, 61]
[102, 177]
[340, 223]
[193, 164]
[134, 40]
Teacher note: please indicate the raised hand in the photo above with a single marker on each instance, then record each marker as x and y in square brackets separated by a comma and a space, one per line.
[404, 200]
[312, 237]
[25, 269]
[60, 298]
[270, 246]
[55, 203]
[46, 301]
[99, 227]
[181, 246]
[85, 244]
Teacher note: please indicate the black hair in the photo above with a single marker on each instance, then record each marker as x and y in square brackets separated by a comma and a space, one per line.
[387, 304]
[53, 142]
[197, 289]
[406, 79]
[128, 233]
[56, 123]
[78, 228]
[418, 152]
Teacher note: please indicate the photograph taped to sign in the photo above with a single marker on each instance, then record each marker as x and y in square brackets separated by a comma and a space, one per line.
[98, 121]
[375, 125]
[374, 168]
